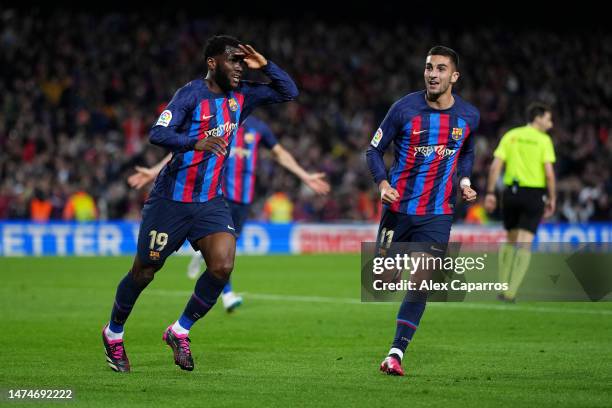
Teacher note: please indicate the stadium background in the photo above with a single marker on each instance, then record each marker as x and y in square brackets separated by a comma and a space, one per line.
[79, 88]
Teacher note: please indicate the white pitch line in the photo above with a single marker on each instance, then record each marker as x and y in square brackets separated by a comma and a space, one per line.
[353, 301]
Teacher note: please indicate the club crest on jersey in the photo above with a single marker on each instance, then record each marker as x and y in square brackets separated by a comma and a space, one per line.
[377, 137]
[164, 119]
[249, 137]
[233, 105]
[457, 133]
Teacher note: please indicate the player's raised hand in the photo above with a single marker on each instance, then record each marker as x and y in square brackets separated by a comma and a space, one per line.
[468, 194]
[142, 177]
[388, 194]
[490, 202]
[317, 183]
[252, 58]
[216, 145]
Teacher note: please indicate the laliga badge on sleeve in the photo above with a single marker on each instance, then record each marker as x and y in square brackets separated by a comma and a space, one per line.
[377, 137]
[164, 119]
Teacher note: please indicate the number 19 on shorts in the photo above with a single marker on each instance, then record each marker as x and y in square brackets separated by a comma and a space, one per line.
[159, 240]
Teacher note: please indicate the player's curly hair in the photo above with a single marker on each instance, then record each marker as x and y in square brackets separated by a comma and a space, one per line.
[447, 52]
[216, 45]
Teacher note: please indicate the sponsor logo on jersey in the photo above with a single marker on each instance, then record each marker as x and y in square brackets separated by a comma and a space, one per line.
[164, 119]
[233, 105]
[440, 150]
[154, 255]
[221, 130]
[457, 133]
[377, 137]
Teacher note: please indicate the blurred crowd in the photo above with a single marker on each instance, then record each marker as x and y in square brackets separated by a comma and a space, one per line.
[79, 92]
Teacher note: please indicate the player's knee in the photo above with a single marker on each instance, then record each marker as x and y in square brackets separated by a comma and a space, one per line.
[144, 275]
[222, 268]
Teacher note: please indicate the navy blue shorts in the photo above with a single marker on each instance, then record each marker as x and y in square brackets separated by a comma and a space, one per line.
[166, 224]
[240, 212]
[398, 227]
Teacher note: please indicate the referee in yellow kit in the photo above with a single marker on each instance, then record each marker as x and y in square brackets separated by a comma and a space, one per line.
[527, 153]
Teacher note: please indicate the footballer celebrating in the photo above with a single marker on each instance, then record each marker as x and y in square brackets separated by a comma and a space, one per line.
[434, 154]
[238, 183]
[198, 126]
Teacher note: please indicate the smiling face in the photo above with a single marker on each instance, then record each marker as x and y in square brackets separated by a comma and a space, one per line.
[440, 75]
[227, 68]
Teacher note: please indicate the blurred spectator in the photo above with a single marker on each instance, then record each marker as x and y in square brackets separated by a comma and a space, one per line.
[40, 207]
[80, 207]
[278, 208]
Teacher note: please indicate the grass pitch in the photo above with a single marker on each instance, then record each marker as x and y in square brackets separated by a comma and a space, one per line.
[302, 338]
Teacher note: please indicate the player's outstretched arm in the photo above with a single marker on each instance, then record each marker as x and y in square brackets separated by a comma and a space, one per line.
[316, 181]
[145, 175]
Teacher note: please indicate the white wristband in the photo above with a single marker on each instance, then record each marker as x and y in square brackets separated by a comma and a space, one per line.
[465, 182]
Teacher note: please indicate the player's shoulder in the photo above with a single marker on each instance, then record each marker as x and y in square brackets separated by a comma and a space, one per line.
[254, 123]
[191, 89]
[465, 108]
[408, 105]
[414, 100]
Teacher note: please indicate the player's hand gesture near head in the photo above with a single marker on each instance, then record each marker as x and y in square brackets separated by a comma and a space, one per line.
[252, 58]
[316, 181]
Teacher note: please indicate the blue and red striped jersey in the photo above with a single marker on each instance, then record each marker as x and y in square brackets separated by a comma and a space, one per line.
[195, 113]
[239, 176]
[433, 149]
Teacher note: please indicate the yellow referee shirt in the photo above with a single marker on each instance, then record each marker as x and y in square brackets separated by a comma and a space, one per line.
[524, 151]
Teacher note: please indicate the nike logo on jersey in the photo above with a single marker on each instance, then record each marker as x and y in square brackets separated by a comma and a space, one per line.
[414, 132]
[204, 117]
[232, 228]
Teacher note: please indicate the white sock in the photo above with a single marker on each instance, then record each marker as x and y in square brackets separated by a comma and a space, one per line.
[178, 329]
[397, 351]
[111, 335]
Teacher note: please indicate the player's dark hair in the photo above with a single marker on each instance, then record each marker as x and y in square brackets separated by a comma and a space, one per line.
[447, 52]
[536, 109]
[216, 45]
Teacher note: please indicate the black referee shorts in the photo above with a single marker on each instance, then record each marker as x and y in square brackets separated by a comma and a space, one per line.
[523, 207]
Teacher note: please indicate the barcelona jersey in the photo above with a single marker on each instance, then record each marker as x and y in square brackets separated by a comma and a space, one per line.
[196, 113]
[433, 149]
[238, 182]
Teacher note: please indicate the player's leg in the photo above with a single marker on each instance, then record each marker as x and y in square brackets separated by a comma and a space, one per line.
[532, 209]
[162, 231]
[435, 231]
[511, 211]
[239, 213]
[218, 250]
[212, 233]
